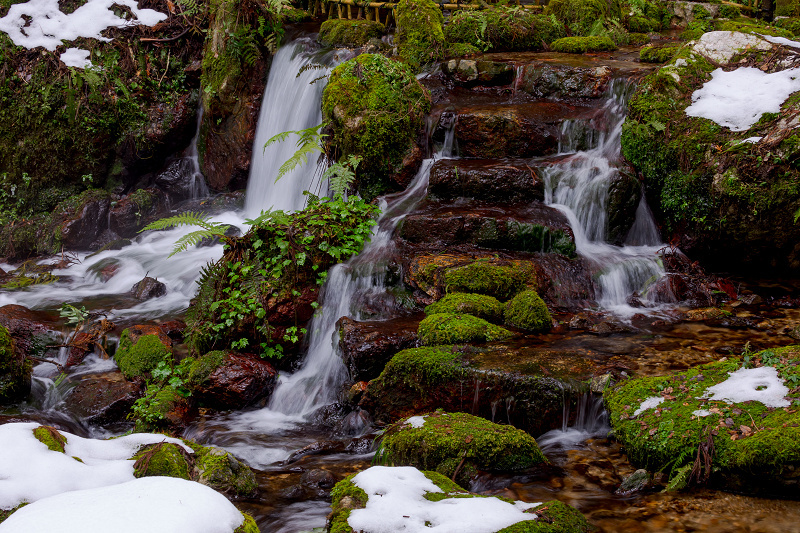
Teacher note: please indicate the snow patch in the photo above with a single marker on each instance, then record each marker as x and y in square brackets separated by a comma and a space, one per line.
[397, 503]
[782, 40]
[649, 403]
[738, 98]
[75, 57]
[416, 421]
[752, 140]
[760, 384]
[147, 504]
[29, 471]
[701, 412]
[42, 23]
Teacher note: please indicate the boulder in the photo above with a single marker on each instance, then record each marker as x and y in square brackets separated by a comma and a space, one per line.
[103, 399]
[527, 311]
[30, 330]
[366, 347]
[134, 211]
[550, 80]
[347, 32]
[419, 36]
[148, 288]
[503, 181]
[229, 380]
[470, 72]
[451, 328]
[15, 370]
[141, 348]
[480, 305]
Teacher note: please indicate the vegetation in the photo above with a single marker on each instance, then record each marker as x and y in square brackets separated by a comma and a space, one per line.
[579, 45]
[139, 358]
[501, 27]
[449, 328]
[527, 311]
[15, 370]
[344, 32]
[479, 305]
[50, 437]
[658, 54]
[419, 37]
[483, 277]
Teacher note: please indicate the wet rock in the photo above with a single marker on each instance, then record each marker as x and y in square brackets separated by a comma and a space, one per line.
[636, 482]
[230, 380]
[148, 288]
[599, 383]
[421, 380]
[103, 399]
[531, 228]
[504, 181]
[470, 72]
[366, 347]
[177, 179]
[520, 130]
[140, 349]
[353, 394]
[318, 478]
[355, 423]
[29, 329]
[316, 448]
[706, 313]
[15, 370]
[751, 299]
[82, 219]
[136, 210]
[105, 269]
[220, 470]
[624, 193]
[549, 80]
[174, 329]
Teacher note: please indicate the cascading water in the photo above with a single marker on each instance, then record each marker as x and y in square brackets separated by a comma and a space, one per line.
[579, 187]
[198, 187]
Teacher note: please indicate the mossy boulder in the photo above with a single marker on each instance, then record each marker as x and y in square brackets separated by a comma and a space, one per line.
[456, 445]
[458, 378]
[483, 277]
[479, 305]
[528, 311]
[450, 328]
[50, 437]
[163, 408]
[376, 107]
[344, 32]
[581, 16]
[502, 28]
[662, 421]
[230, 380]
[419, 36]
[15, 370]
[138, 356]
[658, 54]
[725, 201]
[163, 459]
[348, 497]
[223, 472]
[580, 45]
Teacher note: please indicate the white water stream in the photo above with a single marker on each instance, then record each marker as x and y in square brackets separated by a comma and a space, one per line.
[579, 188]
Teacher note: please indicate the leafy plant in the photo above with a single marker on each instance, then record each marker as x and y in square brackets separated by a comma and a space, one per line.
[208, 229]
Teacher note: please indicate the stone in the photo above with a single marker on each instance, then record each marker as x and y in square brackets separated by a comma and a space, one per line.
[722, 46]
[177, 179]
[141, 348]
[504, 181]
[148, 288]
[134, 211]
[223, 472]
[103, 399]
[366, 347]
[636, 482]
[549, 80]
[105, 269]
[230, 380]
[32, 331]
[82, 219]
[470, 72]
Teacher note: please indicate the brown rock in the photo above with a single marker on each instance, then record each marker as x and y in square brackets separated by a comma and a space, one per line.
[241, 380]
[549, 80]
[29, 329]
[133, 212]
[368, 346]
[148, 288]
[103, 398]
[504, 181]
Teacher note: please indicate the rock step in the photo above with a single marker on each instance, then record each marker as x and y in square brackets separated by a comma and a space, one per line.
[492, 180]
[532, 227]
[514, 130]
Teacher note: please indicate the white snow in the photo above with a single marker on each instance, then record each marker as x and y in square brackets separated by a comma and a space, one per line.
[752, 140]
[75, 57]
[649, 403]
[701, 412]
[152, 504]
[397, 503]
[48, 25]
[760, 384]
[738, 98]
[416, 421]
[29, 471]
[782, 40]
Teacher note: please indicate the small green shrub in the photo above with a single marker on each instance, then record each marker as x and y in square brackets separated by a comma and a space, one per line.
[641, 24]
[528, 311]
[449, 328]
[480, 305]
[344, 32]
[658, 54]
[728, 11]
[580, 45]
[790, 24]
[503, 28]
[139, 359]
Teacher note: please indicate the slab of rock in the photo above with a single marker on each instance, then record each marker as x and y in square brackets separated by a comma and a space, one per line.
[548, 80]
[103, 399]
[148, 288]
[237, 381]
[366, 347]
[505, 181]
[472, 72]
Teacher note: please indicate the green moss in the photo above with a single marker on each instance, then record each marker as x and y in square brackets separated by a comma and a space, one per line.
[790, 24]
[162, 459]
[753, 444]
[293, 15]
[502, 28]
[5, 513]
[581, 15]
[446, 440]
[203, 366]
[462, 50]
[579, 45]
[50, 437]
[638, 38]
[753, 28]
[729, 11]
[345, 497]
[248, 526]
[641, 24]
[137, 360]
[15, 370]
[449, 328]
[553, 517]
[376, 109]
[658, 54]
[150, 412]
[419, 37]
[528, 311]
[344, 32]
[483, 277]
[222, 471]
[482, 306]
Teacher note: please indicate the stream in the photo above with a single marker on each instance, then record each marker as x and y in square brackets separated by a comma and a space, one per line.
[299, 445]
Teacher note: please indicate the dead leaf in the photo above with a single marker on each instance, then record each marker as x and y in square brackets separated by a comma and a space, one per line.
[468, 439]
[746, 430]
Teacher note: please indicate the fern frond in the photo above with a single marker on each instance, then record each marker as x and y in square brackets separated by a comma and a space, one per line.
[189, 218]
[309, 142]
[191, 239]
[341, 176]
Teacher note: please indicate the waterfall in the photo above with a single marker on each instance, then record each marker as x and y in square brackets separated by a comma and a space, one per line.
[291, 102]
[579, 188]
[198, 187]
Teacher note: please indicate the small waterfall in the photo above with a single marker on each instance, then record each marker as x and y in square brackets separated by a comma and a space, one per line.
[198, 187]
[591, 420]
[291, 102]
[579, 187]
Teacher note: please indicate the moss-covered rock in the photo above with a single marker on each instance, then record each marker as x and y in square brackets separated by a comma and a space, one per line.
[376, 107]
[456, 444]
[344, 32]
[658, 54]
[15, 370]
[421, 380]
[502, 28]
[722, 199]
[203, 366]
[755, 447]
[5, 513]
[419, 36]
[581, 16]
[579, 45]
[162, 459]
[137, 358]
[50, 437]
[248, 526]
[223, 472]
[347, 496]
[479, 305]
[483, 277]
[162, 408]
[450, 328]
[528, 311]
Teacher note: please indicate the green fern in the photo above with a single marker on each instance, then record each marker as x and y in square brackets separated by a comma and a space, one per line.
[342, 175]
[190, 218]
[310, 142]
